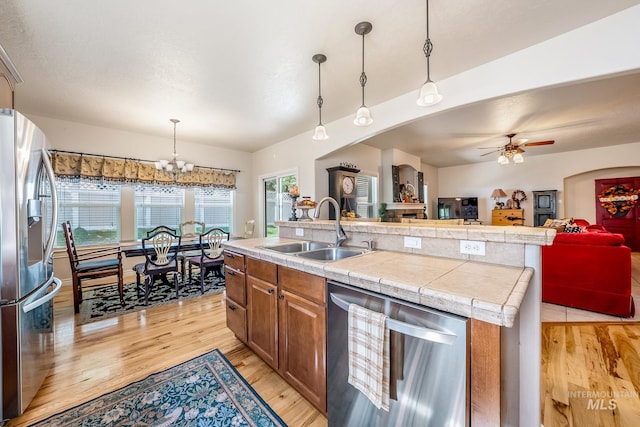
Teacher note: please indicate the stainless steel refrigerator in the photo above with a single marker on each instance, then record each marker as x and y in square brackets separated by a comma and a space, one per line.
[27, 198]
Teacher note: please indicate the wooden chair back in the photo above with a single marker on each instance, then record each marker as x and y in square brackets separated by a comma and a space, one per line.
[211, 243]
[161, 228]
[248, 228]
[161, 250]
[192, 228]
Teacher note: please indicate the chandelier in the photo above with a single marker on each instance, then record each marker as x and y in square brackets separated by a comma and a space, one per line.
[174, 166]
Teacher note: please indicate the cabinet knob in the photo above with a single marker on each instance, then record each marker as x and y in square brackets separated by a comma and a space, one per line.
[270, 291]
[231, 273]
[281, 296]
[232, 307]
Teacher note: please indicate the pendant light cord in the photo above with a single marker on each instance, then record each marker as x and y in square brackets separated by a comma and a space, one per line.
[320, 101]
[428, 46]
[363, 76]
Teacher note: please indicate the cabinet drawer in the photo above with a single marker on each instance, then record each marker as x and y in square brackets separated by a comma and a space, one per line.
[262, 270]
[237, 319]
[234, 260]
[303, 284]
[235, 284]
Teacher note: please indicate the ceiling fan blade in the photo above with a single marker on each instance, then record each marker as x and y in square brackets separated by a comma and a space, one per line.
[489, 148]
[533, 144]
[491, 152]
[519, 150]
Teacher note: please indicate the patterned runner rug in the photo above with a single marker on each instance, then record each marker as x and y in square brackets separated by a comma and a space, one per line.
[102, 303]
[205, 391]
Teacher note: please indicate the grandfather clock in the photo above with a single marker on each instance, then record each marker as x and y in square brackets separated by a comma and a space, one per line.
[343, 185]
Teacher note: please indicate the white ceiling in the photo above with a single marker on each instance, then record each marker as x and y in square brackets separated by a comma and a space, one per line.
[239, 74]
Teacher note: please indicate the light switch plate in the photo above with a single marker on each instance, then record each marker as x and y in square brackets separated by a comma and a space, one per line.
[472, 247]
[299, 231]
[412, 242]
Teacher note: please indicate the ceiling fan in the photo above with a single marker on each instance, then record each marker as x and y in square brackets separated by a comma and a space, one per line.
[513, 149]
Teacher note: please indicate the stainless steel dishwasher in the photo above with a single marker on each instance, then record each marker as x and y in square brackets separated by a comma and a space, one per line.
[429, 383]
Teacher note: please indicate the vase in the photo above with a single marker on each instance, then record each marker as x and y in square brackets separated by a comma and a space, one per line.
[293, 216]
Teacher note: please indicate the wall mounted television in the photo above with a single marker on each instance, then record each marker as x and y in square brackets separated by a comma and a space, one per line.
[458, 207]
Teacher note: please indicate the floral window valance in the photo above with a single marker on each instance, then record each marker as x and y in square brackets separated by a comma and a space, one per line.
[79, 166]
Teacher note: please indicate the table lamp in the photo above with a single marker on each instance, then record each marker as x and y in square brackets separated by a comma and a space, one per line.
[497, 194]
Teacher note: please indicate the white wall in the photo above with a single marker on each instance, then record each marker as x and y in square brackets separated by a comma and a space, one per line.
[541, 172]
[71, 136]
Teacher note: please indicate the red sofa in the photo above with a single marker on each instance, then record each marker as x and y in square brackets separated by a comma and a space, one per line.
[590, 270]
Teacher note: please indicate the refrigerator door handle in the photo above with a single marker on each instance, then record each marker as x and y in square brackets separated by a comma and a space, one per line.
[37, 303]
[405, 328]
[48, 253]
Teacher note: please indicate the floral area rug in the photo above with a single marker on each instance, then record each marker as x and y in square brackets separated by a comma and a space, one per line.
[205, 391]
[104, 302]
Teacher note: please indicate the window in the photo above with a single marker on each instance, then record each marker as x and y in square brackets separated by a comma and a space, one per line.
[277, 203]
[93, 209]
[214, 207]
[367, 196]
[158, 206]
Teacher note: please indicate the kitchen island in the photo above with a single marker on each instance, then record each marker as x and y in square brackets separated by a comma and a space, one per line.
[503, 299]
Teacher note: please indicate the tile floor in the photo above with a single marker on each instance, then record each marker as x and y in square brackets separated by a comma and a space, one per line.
[559, 313]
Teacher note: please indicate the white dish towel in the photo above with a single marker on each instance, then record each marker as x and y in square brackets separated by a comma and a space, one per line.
[369, 354]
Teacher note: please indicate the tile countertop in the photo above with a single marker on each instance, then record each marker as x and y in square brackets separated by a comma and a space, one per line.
[487, 292]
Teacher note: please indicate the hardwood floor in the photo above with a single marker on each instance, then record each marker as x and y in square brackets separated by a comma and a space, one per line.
[95, 358]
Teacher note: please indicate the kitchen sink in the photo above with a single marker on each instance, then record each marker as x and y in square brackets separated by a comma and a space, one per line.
[293, 247]
[331, 254]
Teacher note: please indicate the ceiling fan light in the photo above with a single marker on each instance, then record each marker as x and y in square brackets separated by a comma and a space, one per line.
[428, 95]
[518, 158]
[503, 160]
[363, 117]
[320, 133]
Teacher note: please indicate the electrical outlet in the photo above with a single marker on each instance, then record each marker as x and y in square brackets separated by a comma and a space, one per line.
[299, 231]
[412, 242]
[472, 247]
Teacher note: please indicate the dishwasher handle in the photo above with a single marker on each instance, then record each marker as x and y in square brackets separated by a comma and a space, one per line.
[405, 328]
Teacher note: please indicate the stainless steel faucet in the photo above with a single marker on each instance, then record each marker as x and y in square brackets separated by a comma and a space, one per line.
[341, 236]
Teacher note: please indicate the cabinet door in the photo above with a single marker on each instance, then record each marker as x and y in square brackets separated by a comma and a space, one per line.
[303, 349]
[262, 312]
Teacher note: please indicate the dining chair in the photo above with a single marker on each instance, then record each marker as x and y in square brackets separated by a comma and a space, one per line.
[93, 264]
[210, 254]
[248, 228]
[189, 229]
[149, 233]
[161, 259]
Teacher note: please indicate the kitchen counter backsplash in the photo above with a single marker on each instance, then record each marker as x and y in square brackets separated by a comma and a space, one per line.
[502, 245]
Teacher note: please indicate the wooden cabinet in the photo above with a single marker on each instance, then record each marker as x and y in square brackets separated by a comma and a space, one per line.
[303, 333]
[286, 325]
[236, 302]
[507, 217]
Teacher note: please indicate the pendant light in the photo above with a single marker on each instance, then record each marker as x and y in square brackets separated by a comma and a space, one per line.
[320, 133]
[363, 115]
[429, 92]
[174, 166]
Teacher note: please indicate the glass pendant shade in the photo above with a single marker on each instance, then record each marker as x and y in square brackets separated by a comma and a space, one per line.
[363, 117]
[320, 133]
[503, 160]
[518, 158]
[428, 95]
